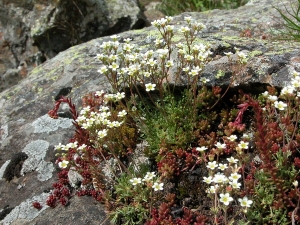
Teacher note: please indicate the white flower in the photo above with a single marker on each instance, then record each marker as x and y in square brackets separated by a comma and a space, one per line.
[213, 189]
[150, 87]
[179, 45]
[120, 96]
[103, 69]
[170, 28]
[103, 108]
[208, 180]
[158, 186]
[114, 58]
[135, 181]
[117, 123]
[225, 198]
[219, 178]
[241, 55]
[122, 113]
[114, 37]
[169, 63]
[272, 98]
[63, 164]
[152, 62]
[280, 105]
[243, 145]
[204, 80]
[147, 74]
[162, 52]
[245, 202]
[212, 165]
[188, 19]
[195, 71]
[59, 147]
[295, 183]
[127, 47]
[220, 145]
[155, 23]
[235, 184]
[186, 69]
[232, 137]
[234, 176]
[110, 124]
[82, 147]
[295, 73]
[189, 57]
[265, 94]
[149, 176]
[99, 93]
[223, 166]
[296, 83]
[201, 149]
[102, 133]
[86, 125]
[159, 41]
[80, 119]
[287, 90]
[246, 136]
[184, 29]
[90, 121]
[228, 53]
[199, 25]
[72, 144]
[232, 160]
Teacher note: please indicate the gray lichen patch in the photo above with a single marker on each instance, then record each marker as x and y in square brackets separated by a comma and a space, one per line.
[25, 212]
[46, 124]
[3, 132]
[36, 152]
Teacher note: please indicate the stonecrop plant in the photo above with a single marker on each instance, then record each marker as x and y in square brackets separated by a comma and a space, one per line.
[154, 153]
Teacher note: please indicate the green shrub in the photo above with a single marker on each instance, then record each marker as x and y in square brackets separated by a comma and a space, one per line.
[174, 7]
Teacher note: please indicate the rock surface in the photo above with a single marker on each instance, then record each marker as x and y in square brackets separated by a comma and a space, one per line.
[32, 31]
[25, 127]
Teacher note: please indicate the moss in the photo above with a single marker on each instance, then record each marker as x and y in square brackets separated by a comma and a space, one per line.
[234, 38]
[226, 45]
[152, 32]
[87, 67]
[255, 53]
[36, 70]
[39, 90]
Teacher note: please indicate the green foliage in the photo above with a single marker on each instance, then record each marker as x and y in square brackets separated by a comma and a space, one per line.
[292, 22]
[264, 209]
[174, 7]
[129, 215]
[172, 127]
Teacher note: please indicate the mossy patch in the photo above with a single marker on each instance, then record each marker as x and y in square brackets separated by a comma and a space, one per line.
[255, 53]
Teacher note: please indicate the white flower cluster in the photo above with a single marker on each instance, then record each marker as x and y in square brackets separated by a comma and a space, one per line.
[125, 63]
[101, 119]
[241, 57]
[157, 186]
[287, 92]
[72, 145]
[219, 181]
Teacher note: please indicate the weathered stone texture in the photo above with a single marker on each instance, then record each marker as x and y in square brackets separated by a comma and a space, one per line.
[24, 106]
[32, 31]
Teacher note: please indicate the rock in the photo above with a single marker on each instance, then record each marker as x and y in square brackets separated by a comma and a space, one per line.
[32, 31]
[26, 127]
[152, 13]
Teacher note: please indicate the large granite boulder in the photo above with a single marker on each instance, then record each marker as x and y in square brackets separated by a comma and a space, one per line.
[26, 127]
[32, 31]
